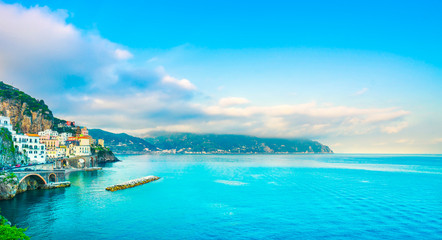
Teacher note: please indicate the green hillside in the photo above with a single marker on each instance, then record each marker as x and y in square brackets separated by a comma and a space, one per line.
[226, 143]
[122, 143]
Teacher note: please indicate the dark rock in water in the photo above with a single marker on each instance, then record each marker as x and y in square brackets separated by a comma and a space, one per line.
[105, 156]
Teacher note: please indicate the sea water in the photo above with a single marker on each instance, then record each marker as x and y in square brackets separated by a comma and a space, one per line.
[331, 196]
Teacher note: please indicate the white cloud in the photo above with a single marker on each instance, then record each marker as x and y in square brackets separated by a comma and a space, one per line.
[122, 54]
[310, 109]
[38, 48]
[310, 119]
[405, 141]
[43, 55]
[183, 83]
[394, 128]
[83, 76]
[231, 101]
[360, 92]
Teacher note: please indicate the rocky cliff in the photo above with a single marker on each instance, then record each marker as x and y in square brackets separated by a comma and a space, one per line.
[28, 115]
[23, 119]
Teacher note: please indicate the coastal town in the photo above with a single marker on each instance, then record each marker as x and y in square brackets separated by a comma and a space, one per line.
[43, 160]
[48, 146]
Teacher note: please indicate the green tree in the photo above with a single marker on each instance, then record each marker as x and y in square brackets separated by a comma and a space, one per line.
[8, 232]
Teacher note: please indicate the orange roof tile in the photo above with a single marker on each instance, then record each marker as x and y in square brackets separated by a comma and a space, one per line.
[32, 135]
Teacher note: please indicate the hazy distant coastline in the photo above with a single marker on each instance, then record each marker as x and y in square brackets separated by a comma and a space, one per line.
[191, 143]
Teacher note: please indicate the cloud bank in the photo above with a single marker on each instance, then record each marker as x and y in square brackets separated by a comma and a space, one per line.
[101, 84]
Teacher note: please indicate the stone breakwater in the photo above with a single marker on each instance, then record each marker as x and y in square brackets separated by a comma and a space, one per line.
[56, 185]
[132, 183]
[92, 169]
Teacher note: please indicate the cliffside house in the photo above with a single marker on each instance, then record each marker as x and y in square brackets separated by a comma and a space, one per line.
[6, 123]
[27, 144]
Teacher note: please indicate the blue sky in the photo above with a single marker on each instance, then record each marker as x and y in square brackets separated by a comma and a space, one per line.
[360, 77]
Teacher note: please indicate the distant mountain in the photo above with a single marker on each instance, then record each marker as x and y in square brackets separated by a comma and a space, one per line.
[225, 143]
[122, 143]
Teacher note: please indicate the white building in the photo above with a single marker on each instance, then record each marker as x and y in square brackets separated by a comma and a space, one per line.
[84, 141]
[82, 150]
[63, 137]
[61, 152]
[56, 153]
[30, 146]
[51, 153]
[48, 132]
[6, 123]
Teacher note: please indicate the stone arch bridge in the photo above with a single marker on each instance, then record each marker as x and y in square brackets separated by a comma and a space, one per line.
[41, 176]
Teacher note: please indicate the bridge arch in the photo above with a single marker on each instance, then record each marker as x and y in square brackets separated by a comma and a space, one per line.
[38, 177]
[52, 177]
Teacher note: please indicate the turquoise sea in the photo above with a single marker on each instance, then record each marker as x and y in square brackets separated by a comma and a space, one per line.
[335, 196]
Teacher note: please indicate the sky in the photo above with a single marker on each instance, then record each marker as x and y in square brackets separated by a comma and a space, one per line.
[360, 77]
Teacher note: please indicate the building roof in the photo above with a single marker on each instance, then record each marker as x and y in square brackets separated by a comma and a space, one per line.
[32, 135]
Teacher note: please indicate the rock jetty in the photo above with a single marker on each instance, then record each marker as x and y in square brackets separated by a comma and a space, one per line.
[56, 185]
[132, 183]
[90, 169]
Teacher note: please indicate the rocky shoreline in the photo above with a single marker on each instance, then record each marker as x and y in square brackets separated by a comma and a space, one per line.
[106, 156]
